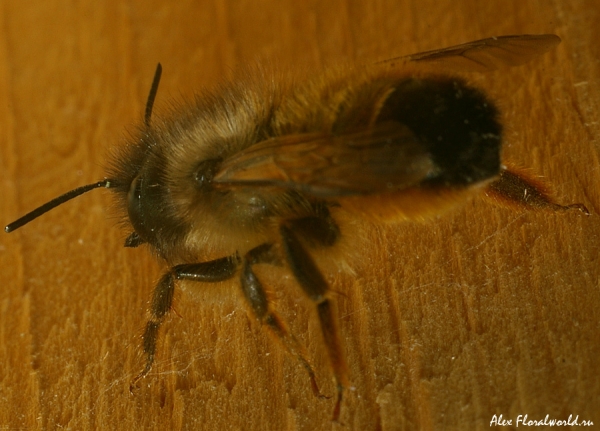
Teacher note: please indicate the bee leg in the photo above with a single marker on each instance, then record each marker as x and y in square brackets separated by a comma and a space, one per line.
[514, 188]
[162, 299]
[314, 285]
[256, 297]
[320, 230]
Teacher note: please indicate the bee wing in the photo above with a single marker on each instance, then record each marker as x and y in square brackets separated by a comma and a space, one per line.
[486, 54]
[386, 157]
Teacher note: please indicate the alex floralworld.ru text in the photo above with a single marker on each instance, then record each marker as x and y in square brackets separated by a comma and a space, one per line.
[523, 420]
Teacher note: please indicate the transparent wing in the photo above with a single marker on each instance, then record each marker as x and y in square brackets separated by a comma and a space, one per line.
[387, 157]
[485, 54]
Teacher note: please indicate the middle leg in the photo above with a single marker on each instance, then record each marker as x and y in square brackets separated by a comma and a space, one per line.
[255, 295]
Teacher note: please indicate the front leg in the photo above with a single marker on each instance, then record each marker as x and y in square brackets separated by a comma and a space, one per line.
[162, 299]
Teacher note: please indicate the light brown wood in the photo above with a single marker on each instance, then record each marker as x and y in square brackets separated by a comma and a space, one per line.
[482, 311]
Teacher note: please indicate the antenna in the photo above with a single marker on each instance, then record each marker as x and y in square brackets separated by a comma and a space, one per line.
[32, 215]
[152, 94]
[106, 183]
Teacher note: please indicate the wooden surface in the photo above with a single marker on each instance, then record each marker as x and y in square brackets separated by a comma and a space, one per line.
[480, 312]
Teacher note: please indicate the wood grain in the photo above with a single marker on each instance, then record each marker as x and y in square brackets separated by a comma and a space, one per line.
[482, 312]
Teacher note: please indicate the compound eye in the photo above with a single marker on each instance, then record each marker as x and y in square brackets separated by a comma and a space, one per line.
[205, 173]
[135, 192]
[134, 205]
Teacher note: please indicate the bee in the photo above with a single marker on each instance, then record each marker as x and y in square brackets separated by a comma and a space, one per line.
[267, 171]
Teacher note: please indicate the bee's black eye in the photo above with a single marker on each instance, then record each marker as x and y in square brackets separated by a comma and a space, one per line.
[205, 172]
[134, 206]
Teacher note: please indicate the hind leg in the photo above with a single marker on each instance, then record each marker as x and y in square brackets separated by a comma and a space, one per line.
[513, 188]
[314, 285]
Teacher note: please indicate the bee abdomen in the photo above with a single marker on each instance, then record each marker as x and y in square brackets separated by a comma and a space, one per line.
[458, 124]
